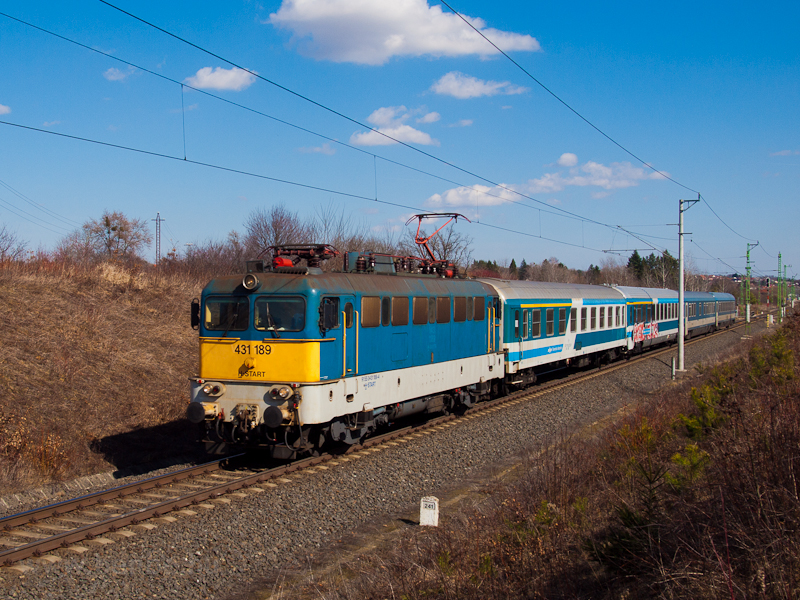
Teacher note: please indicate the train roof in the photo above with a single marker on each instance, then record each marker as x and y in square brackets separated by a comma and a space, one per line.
[523, 290]
[349, 283]
[723, 296]
[630, 291]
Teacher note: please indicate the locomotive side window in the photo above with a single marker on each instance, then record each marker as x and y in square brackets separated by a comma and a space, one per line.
[399, 310]
[583, 319]
[536, 323]
[480, 308]
[562, 320]
[443, 309]
[549, 316]
[470, 309]
[280, 314]
[516, 323]
[431, 310]
[348, 315]
[420, 311]
[370, 311]
[230, 314]
[524, 324]
[459, 309]
[330, 314]
[573, 320]
[386, 310]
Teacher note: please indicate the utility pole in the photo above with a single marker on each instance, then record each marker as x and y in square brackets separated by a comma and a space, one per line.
[780, 290]
[681, 284]
[747, 285]
[158, 221]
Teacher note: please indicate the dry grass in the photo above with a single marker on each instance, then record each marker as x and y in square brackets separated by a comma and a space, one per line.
[695, 496]
[88, 357]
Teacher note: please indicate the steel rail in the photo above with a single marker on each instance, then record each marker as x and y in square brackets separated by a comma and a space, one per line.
[89, 531]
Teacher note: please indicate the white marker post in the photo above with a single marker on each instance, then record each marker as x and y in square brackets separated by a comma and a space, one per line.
[429, 511]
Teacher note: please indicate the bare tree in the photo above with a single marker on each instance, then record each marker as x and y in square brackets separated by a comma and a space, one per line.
[274, 226]
[11, 248]
[113, 235]
[449, 244]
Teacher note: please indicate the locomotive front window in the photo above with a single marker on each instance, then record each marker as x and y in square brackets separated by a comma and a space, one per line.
[229, 314]
[280, 314]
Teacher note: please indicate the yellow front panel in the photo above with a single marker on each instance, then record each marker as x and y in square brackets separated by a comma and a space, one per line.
[282, 361]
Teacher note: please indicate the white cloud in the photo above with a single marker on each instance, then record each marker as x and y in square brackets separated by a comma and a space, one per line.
[785, 153]
[113, 74]
[372, 31]
[590, 174]
[401, 133]
[568, 159]
[4, 110]
[462, 123]
[463, 86]
[390, 121]
[431, 117]
[324, 149]
[221, 79]
[50, 123]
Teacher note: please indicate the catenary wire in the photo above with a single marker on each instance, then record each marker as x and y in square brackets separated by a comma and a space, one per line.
[275, 179]
[360, 124]
[41, 207]
[561, 212]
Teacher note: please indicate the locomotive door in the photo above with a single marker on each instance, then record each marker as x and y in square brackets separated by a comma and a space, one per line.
[349, 336]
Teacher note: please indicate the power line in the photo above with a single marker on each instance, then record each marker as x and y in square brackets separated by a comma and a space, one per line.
[554, 95]
[561, 212]
[723, 222]
[360, 124]
[41, 207]
[275, 179]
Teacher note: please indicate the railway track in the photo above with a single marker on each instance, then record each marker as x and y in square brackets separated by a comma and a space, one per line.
[67, 524]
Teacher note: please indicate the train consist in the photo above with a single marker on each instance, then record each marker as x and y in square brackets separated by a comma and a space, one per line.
[293, 358]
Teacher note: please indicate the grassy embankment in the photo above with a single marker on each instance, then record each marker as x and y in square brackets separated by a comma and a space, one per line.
[93, 370]
[695, 496]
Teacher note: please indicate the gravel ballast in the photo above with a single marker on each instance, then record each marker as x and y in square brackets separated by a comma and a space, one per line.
[230, 543]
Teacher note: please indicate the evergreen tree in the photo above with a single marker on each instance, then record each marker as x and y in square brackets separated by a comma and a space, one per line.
[636, 265]
[512, 268]
[522, 274]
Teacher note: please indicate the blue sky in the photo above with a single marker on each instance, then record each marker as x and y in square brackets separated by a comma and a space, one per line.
[707, 93]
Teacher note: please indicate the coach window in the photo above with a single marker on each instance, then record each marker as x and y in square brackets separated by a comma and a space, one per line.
[594, 318]
[562, 321]
[227, 314]
[420, 311]
[348, 315]
[470, 301]
[443, 309]
[480, 308]
[573, 320]
[400, 310]
[536, 323]
[549, 316]
[370, 311]
[431, 310]
[386, 310]
[516, 323]
[524, 324]
[583, 319]
[459, 309]
[602, 317]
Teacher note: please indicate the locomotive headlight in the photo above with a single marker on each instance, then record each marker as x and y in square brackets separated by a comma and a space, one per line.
[213, 389]
[250, 282]
[282, 392]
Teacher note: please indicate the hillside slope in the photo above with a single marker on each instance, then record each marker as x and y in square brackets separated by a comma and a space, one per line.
[93, 370]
